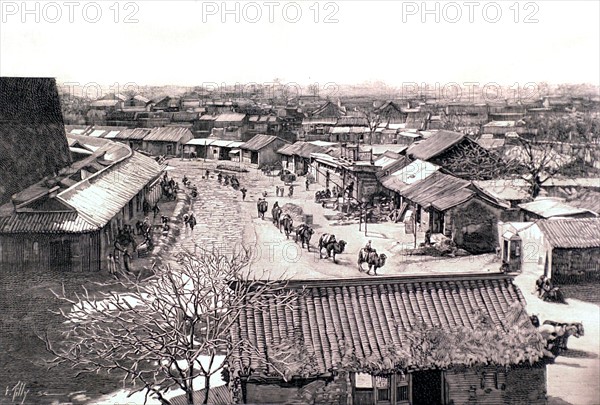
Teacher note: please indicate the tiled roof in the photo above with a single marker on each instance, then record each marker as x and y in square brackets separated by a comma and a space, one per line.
[230, 117]
[364, 317]
[45, 222]
[133, 134]
[319, 121]
[220, 395]
[352, 121]
[169, 134]
[435, 145]
[101, 197]
[303, 149]
[442, 191]
[258, 142]
[572, 233]
[185, 116]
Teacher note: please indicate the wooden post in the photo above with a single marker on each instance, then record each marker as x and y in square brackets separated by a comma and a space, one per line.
[415, 226]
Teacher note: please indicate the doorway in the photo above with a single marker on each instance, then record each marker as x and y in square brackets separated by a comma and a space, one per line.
[60, 255]
[427, 388]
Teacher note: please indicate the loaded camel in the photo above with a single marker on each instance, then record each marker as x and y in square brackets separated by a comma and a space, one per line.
[262, 206]
[331, 246]
[557, 334]
[276, 213]
[304, 233]
[374, 260]
[287, 223]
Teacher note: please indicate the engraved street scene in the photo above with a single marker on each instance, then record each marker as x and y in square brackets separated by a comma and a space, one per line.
[333, 203]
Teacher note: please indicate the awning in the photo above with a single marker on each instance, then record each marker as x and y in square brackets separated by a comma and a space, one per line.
[234, 151]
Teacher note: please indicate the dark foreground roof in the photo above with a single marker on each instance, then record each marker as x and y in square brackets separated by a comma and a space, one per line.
[362, 318]
[216, 396]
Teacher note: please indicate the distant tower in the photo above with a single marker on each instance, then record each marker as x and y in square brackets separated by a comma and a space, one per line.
[33, 143]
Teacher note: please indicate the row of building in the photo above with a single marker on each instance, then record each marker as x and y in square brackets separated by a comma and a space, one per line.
[75, 195]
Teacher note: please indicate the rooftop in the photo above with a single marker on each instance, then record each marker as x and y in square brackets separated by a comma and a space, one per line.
[435, 145]
[259, 141]
[572, 233]
[412, 173]
[371, 321]
[552, 207]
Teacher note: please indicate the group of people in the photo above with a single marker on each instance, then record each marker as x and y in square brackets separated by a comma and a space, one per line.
[280, 190]
[169, 188]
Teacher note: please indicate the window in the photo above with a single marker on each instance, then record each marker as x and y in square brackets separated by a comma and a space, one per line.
[402, 388]
[36, 248]
[383, 388]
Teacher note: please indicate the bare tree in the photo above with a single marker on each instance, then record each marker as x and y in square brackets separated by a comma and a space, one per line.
[373, 119]
[473, 162]
[157, 332]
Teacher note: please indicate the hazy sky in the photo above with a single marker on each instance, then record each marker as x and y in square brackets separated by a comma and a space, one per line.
[189, 42]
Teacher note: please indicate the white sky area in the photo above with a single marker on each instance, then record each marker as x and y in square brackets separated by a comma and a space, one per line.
[170, 43]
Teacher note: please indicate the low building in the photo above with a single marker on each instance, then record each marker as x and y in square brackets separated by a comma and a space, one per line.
[209, 148]
[447, 149]
[391, 341]
[231, 126]
[166, 104]
[347, 166]
[264, 124]
[167, 141]
[572, 249]
[549, 207]
[296, 157]
[317, 128]
[132, 137]
[202, 128]
[261, 150]
[69, 222]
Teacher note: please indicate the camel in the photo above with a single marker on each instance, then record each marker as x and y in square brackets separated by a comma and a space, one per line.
[276, 213]
[262, 206]
[286, 222]
[304, 233]
[374, 260]
[328, 242]
[561, 332]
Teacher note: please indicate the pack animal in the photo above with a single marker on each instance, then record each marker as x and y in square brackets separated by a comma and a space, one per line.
[331, 246]
[304, 233]
[287, 224]
[374, 260]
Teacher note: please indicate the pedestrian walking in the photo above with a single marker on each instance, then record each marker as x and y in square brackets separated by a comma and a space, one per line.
[291, 192]
[186, 220]
[307, 183]
[192, 221]
[156, 210]
[219, 177]
[207, 174]
[244, 191]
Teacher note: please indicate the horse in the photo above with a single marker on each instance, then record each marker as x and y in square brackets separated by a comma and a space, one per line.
[371, 257]
[331, 246]
[287, 223]
[262, 206]
[304, 233]
[276, 213]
